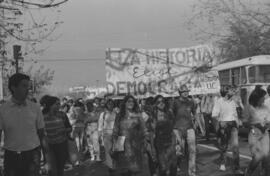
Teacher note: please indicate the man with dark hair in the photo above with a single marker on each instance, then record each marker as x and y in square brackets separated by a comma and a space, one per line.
[184, 109]
[22, 123]
[225, 112]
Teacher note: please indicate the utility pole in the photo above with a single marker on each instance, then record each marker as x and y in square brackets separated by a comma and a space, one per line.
[2, 53]
[17, 54]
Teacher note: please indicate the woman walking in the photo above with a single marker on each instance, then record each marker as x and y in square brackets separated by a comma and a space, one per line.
[165, 141]
[91, 131]
[105, 129]
[128, 138]
[57, 130]
[259, 136]
[78, 118]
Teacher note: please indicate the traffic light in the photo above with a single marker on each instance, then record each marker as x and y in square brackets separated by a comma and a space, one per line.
[17, 53]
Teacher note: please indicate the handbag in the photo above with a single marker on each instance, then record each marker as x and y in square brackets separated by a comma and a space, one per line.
[118, 145]
[101, 144]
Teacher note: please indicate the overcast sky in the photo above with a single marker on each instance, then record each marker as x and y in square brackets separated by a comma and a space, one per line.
[91, 26]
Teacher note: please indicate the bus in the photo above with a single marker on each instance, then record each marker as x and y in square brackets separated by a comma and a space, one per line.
[245, 74]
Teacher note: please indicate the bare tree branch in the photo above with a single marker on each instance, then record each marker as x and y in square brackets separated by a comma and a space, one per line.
[40, 5]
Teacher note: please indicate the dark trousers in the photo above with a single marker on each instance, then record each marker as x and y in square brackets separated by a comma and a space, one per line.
[22, 164]
[59, 153]
[152, 164]
[207, 119]
[228, 132]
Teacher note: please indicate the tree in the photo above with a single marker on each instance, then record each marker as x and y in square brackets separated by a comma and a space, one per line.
[28, 23]
[41, 77]
[240, 28]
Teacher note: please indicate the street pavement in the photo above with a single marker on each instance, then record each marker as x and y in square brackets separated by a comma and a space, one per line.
[207, 161]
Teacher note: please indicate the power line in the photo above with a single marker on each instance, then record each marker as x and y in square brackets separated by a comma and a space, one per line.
[65, 60]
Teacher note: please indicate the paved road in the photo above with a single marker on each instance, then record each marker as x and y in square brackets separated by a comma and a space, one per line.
[207, 162]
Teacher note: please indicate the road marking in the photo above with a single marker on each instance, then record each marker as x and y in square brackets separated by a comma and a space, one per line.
[216, 149]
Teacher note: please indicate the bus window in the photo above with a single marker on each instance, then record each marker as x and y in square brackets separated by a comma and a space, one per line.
[264, 74]
[251, 74]
[224, 77]
[236, 76]
[243, 95]
[243, 75]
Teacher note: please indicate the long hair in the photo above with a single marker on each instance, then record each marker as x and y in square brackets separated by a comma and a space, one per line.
[166, 108]
[256, 95]
[107, 103]
[135, 108]
[48, 102]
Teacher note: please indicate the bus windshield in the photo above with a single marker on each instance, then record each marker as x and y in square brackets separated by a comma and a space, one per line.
[259, 74]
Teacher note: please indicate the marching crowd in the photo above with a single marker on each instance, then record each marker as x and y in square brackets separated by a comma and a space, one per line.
[126, 134]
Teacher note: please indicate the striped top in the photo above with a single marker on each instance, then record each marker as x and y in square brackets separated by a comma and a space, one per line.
[55, 127]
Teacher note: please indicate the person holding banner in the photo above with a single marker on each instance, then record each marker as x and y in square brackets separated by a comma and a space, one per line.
[129, 135]
[207, 105]
[165, 140]
[184, 111]
[147, 114]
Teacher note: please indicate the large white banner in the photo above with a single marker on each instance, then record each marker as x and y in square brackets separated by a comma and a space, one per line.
[149, 72]
[205, 83]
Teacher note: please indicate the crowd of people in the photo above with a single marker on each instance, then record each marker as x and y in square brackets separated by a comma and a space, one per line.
[129, 134]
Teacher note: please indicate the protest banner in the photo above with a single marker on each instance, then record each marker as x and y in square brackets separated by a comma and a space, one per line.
[205, 83]
[149, 72]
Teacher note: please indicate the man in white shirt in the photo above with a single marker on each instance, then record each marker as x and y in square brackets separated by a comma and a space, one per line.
[225, 112]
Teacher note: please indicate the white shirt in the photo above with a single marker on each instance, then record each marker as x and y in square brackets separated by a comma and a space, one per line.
[20, 124]
[106, 122]
[225, 110]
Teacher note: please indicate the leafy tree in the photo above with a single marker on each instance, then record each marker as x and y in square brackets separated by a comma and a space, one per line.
[239, 28]
[41, 77]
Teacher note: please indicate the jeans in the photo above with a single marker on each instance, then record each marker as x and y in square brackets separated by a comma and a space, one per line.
[228, 132]
[59, 153]
[78, 134]
[259, 148]
[188, 136]
[92, 138]
[22, 164]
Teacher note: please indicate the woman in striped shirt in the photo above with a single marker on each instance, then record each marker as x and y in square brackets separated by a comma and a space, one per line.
[57, 129]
